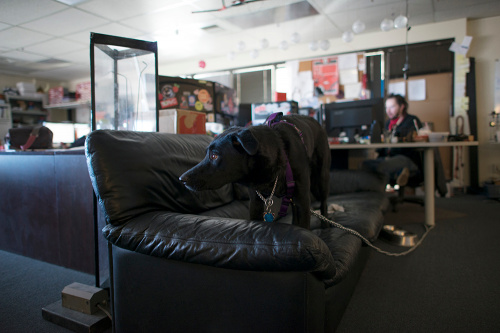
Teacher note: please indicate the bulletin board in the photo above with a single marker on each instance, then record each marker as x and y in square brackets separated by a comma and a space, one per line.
[435, 109]
[338, 76]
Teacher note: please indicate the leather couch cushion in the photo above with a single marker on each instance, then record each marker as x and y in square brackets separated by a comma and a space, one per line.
[136, 172]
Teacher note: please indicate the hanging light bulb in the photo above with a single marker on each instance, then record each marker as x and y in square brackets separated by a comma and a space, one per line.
[400, 22]
[347, 36]
[324, 45]
[386, 25]
[241, 46]
[295, 38]
[313, 46]
[254, 54]
[264, 43]
[358, 27]
[283, 45]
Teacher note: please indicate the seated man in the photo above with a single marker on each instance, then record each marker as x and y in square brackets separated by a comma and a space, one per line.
[396, 165]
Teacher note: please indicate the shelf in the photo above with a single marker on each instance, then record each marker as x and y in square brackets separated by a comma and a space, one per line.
[25, 98]
[67, 105]
[30, 113]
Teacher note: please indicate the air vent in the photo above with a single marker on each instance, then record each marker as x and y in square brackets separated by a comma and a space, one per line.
[273, 15]
[47, 64]
[52, 61]
[212, 29]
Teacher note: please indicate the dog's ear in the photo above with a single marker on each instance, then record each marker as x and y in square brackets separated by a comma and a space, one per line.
[246, 140]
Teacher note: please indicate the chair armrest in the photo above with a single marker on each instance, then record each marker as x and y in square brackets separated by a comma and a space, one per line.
[226, 243]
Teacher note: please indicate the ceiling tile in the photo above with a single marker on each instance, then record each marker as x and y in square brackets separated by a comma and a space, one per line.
[174, 18]
[55, 47]
[4, 26]
[65, 22]
[114, 29]
[23, 56]
[20, 11]
[82, 57]
[19, 37]
[471, 12]
[73, 72]
[121, 9]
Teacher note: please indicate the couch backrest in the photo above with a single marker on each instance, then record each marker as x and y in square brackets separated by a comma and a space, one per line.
[137, 172]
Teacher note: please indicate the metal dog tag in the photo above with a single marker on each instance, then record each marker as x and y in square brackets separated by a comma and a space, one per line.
[268, 217]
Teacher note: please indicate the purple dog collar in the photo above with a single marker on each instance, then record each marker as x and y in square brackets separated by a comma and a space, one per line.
[272, 120]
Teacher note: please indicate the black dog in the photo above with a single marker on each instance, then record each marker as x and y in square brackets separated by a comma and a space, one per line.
[257, 157]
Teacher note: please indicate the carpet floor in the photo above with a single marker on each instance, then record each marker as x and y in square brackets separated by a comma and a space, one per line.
[449, 284]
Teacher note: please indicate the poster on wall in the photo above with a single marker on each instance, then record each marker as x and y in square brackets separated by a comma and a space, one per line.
[326, 75]
[497, 86]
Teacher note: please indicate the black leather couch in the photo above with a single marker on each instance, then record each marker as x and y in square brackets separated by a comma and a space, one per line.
[187, 261]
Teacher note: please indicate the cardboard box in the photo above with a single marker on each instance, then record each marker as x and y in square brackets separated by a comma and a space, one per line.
[197, 95]
[83, 91]
[180, 121]
[186, 94]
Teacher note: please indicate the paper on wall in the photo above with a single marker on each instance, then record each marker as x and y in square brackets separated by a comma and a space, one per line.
[461, 48]
[397, 88]
[348, 61]
[497, 87]
[352, 90]
[348, 76]
[416, 90]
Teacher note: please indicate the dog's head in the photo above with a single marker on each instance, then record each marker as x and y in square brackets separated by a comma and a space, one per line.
[226, 161]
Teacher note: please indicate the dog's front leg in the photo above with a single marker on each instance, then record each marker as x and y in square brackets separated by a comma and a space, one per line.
[256, 207]
[301, 205]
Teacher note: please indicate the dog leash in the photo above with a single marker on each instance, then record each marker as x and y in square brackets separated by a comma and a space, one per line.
[367, 242]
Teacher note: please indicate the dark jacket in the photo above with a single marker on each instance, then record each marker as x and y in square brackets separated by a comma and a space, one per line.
[402, 131]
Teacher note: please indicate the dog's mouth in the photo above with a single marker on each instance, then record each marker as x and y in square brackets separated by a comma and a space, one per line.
[191, 184]
[189, 187]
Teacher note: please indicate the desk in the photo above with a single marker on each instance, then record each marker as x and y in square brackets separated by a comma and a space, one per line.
[428, 165]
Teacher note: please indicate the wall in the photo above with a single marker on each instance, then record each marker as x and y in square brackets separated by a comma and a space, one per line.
[10, 81]
[485, 48]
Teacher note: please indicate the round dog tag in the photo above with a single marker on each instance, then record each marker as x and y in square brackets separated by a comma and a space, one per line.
[269, 217]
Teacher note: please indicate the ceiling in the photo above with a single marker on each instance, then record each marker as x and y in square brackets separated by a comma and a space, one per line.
[49, 39]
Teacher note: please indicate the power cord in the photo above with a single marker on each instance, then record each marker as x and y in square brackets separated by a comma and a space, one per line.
[367, 242]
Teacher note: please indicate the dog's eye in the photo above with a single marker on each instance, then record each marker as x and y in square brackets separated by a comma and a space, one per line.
[213, 156]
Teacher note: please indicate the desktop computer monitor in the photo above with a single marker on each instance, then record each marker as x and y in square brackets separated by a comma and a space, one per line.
[66, 133]
[354, 117]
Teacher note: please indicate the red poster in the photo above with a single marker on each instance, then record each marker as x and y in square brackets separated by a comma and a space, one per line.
[326, 75]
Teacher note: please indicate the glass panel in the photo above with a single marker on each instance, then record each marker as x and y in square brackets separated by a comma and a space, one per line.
[125, 86]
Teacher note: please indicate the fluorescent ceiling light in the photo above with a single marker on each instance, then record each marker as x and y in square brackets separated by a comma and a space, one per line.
[71, 2]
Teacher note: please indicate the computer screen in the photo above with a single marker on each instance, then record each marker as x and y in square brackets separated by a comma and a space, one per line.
[354, 117]
[67, 132]
[260, 111]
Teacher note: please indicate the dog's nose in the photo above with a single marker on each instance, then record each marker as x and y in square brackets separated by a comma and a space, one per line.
[183, 179]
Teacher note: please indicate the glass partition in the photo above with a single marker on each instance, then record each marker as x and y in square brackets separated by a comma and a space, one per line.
[124, 83]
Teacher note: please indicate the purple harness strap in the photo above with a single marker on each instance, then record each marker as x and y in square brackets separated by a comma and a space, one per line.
[271, 121]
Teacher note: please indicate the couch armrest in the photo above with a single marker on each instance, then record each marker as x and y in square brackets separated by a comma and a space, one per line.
[349, 181]
[225, 243]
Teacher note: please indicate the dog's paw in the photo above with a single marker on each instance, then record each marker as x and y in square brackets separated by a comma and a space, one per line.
[332, 208]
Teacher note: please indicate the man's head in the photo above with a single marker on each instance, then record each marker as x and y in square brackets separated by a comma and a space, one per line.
[395, 106]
